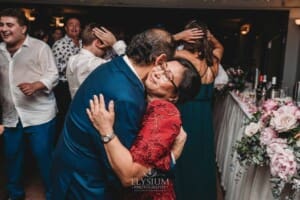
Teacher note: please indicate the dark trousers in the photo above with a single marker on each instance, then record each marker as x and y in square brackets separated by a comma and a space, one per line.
[41, 142]
[63, 99]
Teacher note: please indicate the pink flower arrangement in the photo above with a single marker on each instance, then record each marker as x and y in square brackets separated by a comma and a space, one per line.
[272, 137]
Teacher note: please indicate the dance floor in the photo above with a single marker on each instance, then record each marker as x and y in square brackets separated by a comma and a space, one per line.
[32, 181]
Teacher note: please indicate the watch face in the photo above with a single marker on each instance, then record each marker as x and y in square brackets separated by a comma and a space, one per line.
[105, 139]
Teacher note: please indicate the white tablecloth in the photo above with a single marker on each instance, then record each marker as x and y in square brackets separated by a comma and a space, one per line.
[252, 184]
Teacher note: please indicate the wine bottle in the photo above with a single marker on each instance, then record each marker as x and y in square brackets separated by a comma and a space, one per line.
[259, 89]
[264, 89]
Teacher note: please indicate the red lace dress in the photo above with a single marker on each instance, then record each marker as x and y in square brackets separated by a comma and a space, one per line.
[152, 148]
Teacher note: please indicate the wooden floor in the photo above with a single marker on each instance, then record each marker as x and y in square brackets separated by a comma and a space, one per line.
[33, 184]
[35, 191]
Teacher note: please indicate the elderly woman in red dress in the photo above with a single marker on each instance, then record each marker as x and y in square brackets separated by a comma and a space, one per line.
[174, 82]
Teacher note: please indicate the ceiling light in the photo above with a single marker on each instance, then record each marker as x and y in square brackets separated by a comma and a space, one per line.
[28, 14]
[245, 28]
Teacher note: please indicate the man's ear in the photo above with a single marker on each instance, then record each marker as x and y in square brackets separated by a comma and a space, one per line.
[161, 59]
[99, 44]
[24, 29]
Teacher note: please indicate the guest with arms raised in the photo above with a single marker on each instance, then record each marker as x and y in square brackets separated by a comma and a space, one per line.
[95, 41]
[196, 168]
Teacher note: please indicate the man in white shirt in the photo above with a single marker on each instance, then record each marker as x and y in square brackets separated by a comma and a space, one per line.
[95, 41]
[62, 49]
[27, 74]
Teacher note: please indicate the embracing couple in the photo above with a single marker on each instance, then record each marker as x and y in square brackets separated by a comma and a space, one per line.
[123, 123]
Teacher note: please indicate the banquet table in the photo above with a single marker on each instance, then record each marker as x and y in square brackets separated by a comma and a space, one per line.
[239, 184]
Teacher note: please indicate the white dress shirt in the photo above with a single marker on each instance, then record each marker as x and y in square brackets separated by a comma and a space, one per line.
[32, 62]
[62, 50]
[82, 64]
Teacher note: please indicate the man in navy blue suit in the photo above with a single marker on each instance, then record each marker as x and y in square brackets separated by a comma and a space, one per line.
[80, 167]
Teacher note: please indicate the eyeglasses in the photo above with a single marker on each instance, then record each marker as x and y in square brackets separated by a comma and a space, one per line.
[169, 75]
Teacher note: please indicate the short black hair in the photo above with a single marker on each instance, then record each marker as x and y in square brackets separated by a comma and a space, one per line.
[67, 18]
[145, 47]
[16, 13]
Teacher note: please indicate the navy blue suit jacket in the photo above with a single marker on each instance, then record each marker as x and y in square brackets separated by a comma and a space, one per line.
[80, 167]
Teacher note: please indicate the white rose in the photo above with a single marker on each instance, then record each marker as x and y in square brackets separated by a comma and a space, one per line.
[251, 129]
[283, 122]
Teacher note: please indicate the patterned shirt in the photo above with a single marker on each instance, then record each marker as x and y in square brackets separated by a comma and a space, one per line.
[62, 50]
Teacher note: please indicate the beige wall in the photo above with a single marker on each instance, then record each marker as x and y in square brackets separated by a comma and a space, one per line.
[291, 68]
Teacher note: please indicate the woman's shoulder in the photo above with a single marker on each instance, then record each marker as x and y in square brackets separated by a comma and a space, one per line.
[163, 107]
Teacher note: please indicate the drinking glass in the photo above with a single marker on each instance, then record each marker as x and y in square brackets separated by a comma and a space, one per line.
[283, 91]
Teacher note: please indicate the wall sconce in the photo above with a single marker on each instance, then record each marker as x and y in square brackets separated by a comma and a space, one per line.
[297, 21]
[245, 29]
[28, 14]
[58, 22]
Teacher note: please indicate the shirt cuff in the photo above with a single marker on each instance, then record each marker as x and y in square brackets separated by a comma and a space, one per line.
[173, 158]
[119, 47]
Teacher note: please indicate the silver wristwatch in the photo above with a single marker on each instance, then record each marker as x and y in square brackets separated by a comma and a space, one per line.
[107, 138]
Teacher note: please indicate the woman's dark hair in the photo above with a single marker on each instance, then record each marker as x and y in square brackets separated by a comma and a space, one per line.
[145, 47]
[191, 82]
[203, 45]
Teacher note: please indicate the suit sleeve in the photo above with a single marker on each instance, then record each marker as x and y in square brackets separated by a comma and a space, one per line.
[127, 123]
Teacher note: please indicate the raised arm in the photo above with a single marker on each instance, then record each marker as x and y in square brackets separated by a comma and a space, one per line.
[189, 35]
[218, 47]
[218, 51]
[109, 40]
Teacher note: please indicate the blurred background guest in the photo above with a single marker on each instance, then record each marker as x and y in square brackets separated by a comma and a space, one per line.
[56, 34]
[41, 34]
[62, 49]
[90, 56]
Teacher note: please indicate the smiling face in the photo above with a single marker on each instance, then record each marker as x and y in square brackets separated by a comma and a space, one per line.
[73, 28]
[12, 33]
[159, 81]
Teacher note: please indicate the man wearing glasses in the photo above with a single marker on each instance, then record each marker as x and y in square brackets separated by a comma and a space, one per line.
[81, 169]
